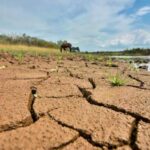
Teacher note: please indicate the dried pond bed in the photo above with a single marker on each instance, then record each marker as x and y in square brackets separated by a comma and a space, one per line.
[75, 107]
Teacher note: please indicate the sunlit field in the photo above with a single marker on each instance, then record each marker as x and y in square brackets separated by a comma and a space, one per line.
[21, 50]
[28, 49]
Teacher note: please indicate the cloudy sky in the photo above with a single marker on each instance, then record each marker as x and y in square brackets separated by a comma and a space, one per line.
[90, 24]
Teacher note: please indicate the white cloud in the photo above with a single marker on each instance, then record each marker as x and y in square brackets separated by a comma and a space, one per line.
[143, 11]
[90, 24]
[137, 38]
[18, 19]
[88, 27]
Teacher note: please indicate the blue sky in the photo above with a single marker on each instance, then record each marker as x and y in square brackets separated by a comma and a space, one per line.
[90, 24]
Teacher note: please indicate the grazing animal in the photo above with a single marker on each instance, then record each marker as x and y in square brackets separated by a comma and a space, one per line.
[75, 49]
[65, 46]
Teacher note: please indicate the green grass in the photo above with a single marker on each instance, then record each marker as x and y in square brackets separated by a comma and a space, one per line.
[26, 49]
[18, 55]
[20, 51]
[117, 80]
[92, 57]
[110, 63]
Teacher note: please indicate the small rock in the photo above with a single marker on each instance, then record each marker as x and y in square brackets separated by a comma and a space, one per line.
[2, 67]
[32, 67]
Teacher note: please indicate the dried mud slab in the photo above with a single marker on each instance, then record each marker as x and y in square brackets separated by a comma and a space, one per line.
[84, 74]
[70, 80]
[143, 136]
[87, 72]
[45, 134]
[47, 89]
[28, 74]
[129, 99]
[14, 98]
[73, 64]
[124, 148]
[80, 144]
[44, 105]
[21, 73]
[7, 73]
[103, 125]
[97, 117]
[15, 90]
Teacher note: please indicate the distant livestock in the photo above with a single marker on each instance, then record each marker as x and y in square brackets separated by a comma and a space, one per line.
[65, 46]
[75, 49]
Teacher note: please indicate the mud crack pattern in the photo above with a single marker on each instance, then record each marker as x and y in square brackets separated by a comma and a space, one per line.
[72, 107]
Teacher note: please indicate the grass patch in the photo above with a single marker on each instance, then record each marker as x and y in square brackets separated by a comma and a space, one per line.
[19, 52]
[92, 57]
[33, 50]
[18, 55]
[117, 80]
[110, 63]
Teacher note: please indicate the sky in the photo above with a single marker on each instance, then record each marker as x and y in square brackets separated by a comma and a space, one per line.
[93, 25]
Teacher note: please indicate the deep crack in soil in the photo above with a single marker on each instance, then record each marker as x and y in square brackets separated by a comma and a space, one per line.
[73, 75]
[138, 80]
[66, 143]
[59, 97]
[32, 98]
[133, 135]
[24, 78]
[132, 141]
[19, 124]
[84, 134]
[87, 95]
[138, 87]
[34, 116]
[92, 82]
[43, 79]
[142, 83]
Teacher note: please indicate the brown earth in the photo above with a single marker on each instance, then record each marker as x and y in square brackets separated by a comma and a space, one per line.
[74, 107]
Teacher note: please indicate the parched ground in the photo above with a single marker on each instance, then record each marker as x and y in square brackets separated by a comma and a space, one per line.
[48, 104]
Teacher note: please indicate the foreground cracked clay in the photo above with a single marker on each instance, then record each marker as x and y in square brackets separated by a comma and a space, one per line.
[72, 107]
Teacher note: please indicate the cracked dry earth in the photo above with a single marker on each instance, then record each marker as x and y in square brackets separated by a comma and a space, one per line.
[75, 107]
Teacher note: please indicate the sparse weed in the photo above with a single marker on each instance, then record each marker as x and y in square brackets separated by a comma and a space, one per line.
[117, 80]
[18, 55]
[44, 54]
[92, 57]
[110, 63]
[59, 59]
[133, 67]
[89, 57]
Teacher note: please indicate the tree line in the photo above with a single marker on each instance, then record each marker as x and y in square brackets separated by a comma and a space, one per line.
[137, 51]
[133, 51]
